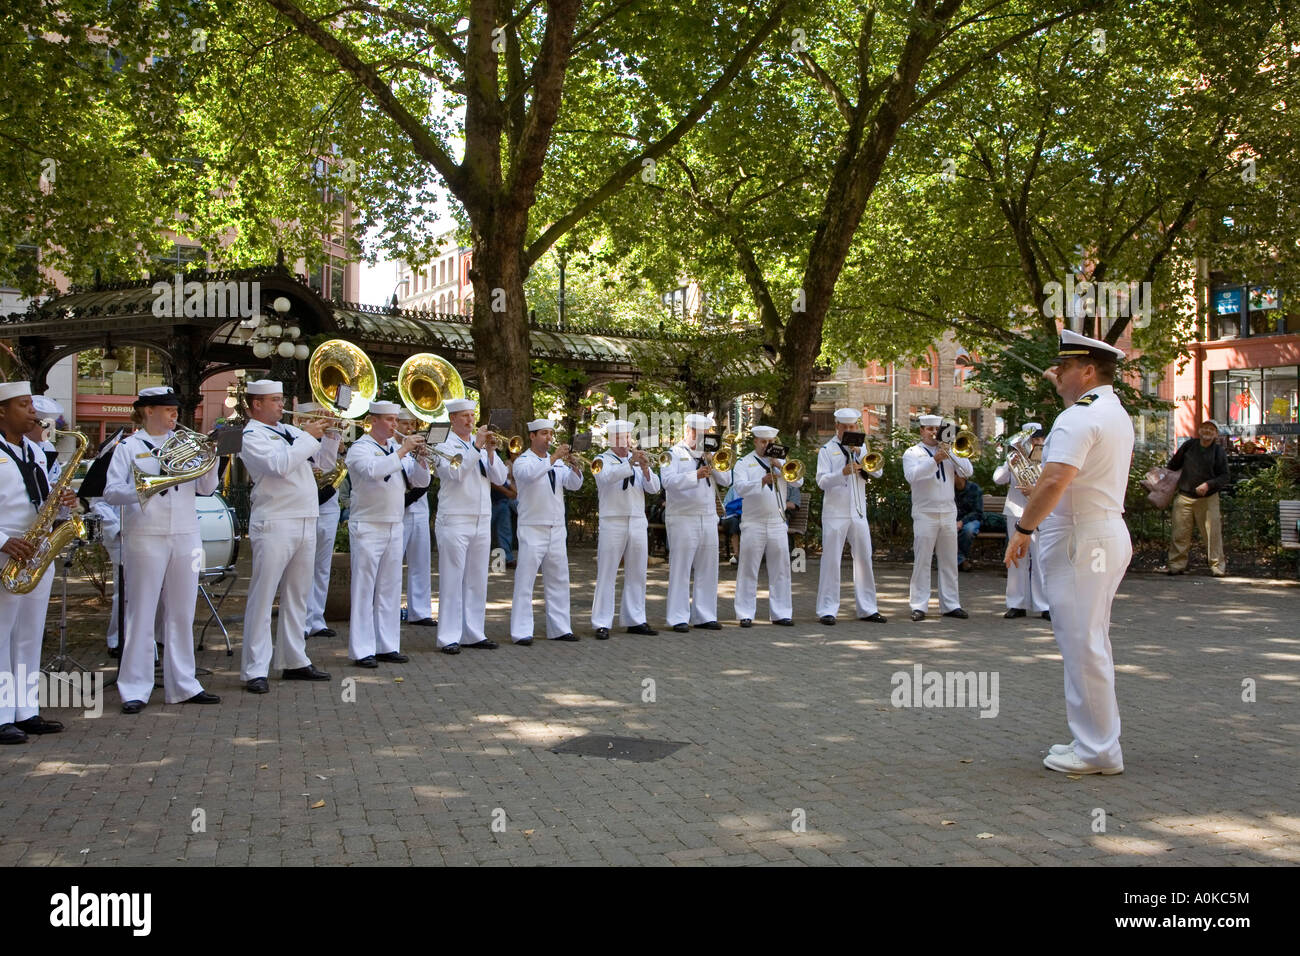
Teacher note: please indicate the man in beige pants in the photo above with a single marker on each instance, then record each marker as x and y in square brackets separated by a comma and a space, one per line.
[1204, 467]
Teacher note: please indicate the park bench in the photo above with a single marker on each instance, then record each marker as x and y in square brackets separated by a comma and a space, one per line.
[1288, 513]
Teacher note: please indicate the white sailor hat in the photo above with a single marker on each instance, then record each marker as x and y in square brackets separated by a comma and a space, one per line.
[699, 422]
[764, 431]
[384, 408]
[264, 386]
[847, 416]
[537, 424]
[1032, 427]
[617, 427]
[308, 407]
[47, 407]
[405, 416]
[10, 390]
[1074, 345]
[459, 405]
[157, 395]
[931, 421]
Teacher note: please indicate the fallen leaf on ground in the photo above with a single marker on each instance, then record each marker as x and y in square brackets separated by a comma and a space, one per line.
[318, 804]
[1073, 776]
[947, 823]
[967, 760]
[529, 832]
[984, 836]
[398, 680]
[264, 766]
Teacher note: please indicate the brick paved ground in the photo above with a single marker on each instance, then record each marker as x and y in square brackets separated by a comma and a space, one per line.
[778, 720]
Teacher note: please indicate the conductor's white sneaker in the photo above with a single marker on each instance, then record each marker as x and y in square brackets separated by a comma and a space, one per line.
[1062, 748]
[1070, 762]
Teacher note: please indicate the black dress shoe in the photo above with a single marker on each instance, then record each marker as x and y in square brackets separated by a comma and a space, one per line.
[203, 697]
[9, 734]
[957, 613]
[710, 626]
[642, 629]
[681, 628]
[524, 642]
[918, 615]
[133, 707]
[746, 622]
[423, 622]
[455, 648]
[39, 725]
[258, 685]
[827, 619]
[602, 633]
[570, 637]
[368, 662]
[1046, 615]
[324, 632]
[484, 645]
[392, 657]
[1015, 612]
[876, 618]
[784, 622]
[303, 673]
[115, 652]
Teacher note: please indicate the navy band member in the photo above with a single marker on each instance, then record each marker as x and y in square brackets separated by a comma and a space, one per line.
[763, 532]
[161, 555]
[844, 518]
[542, 477]
[626, 477]
[376, 463]
[1026, 589]
[690, 486]
[327, 528]
[930, 469]
[282, 531]
[24, 485]
[464, 529]
[417, 544]
[1077, 508]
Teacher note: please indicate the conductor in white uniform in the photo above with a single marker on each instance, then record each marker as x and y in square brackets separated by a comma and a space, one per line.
[282, 531]
[624, 480]
[542, 477]
[464, 528]
[761, 487]
[1026, 589]
[1077, 508]
[24, 486]
[929, 469]
[376, 463]
[161, 549]
[690, 485]
[844, 518]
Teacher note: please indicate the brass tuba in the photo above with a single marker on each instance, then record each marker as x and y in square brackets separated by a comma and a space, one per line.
[336, 363]
[425, 382]
[183, 457]
[48, 537]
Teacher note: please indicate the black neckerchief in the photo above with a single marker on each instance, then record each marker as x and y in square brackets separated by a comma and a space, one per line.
[34, 478]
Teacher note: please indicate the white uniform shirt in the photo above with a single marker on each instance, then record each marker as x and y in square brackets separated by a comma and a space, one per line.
[541, 501]
[620, 498]
[684, 494]
[16, 510]
[845, 495]
[933, 491]
[763, 503]
[467, 490]
[168, 512]
[276, 457]
[1094, 435]
[378, 489]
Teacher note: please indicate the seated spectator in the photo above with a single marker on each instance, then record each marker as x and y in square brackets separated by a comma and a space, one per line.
[731, 523]
[970, 515]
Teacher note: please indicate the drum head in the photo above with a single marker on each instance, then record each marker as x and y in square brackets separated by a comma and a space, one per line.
[217, 531]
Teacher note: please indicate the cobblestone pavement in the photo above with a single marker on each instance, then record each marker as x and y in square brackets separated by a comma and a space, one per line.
[794, 753]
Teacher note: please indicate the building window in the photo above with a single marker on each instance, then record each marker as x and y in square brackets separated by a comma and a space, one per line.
[875, 419]
[875, 373]
[1256, 396]
[923, 370]
[914, 412]
[1240, 310]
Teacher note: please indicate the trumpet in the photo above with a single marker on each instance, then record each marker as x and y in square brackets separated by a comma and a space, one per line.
[515, 443]
[425, 451]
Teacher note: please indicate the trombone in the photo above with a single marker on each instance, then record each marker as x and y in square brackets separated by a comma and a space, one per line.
[596, 465]
[965, 445]
[724, 457]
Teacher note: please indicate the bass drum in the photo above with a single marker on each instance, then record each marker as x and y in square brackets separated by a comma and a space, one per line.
[217, 531]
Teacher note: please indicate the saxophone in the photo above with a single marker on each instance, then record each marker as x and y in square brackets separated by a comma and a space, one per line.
[21, 577]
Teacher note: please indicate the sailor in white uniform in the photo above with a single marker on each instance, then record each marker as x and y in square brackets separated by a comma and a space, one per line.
[327, 528]
[929, 468]
[844, 518]
[463, 528]
[417, 544]
[542, 476]
[759, 483]
[1026, 589]
[282, 531]
[161, 554]
[624, 480]
[1077, 508]
[690, 485]
[25, 484]
[376, 464]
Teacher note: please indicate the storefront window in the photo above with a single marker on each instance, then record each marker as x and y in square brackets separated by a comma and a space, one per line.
[1260, 407]
[1279, 395]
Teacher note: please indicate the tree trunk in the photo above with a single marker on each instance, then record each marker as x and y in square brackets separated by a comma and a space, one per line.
[500, 324]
